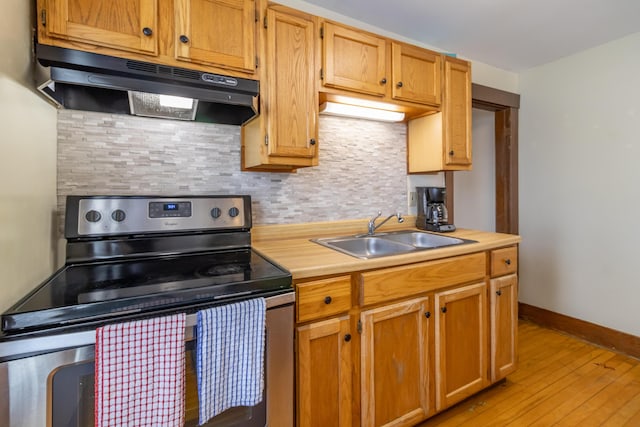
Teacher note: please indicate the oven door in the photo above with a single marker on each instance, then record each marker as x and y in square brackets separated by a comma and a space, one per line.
[56, 389]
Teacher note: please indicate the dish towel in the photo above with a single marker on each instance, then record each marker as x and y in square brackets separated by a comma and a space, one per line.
[139, 373]
[230, 356]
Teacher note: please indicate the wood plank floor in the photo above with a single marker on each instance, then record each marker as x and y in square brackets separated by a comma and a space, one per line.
[560, 381]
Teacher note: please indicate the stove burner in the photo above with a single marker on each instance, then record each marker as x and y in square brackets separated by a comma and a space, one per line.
[222, 270]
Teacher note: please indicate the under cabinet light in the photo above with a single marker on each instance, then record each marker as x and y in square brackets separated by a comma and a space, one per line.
[346, 110]
[176, 102]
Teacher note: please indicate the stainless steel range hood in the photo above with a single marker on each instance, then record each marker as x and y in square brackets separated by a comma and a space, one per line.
[87, 81]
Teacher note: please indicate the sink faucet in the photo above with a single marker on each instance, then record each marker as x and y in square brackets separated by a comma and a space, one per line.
[372, 222]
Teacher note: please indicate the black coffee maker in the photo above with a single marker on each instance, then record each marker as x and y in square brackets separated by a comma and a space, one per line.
[432, 212]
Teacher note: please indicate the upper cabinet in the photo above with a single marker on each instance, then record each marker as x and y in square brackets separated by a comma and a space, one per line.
[442, 141]
[415, 74]
[353, 60]
[216, 36]
[216, 32]
[120, 24]
[285, 135]
[357, 62]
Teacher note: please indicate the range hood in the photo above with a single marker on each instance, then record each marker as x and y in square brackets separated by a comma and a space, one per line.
[87, 81]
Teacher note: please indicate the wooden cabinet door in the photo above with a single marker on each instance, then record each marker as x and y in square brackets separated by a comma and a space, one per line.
[394, 364]
[460, 343]
[292, 103]
[353, 60]
[457, 113]
[324, 374]
[416, 74]
[122, 24]
[216, 32]
[503, 293]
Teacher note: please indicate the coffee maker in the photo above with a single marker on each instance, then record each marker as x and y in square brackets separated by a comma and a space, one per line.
[432, 212]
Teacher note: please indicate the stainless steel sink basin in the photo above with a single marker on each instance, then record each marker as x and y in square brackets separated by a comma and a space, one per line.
[365, 246]
[423, 240]
[385, 244]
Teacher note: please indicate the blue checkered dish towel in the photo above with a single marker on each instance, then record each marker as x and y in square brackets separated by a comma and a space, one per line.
[230, 356]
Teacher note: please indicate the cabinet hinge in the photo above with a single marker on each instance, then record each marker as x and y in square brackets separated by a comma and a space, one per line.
[43, 17]
[266, 140]
[321, 32]
[264, 22]
[321, 74]
[359, 327]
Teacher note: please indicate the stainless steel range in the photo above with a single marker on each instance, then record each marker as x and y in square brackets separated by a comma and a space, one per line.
[134, 257]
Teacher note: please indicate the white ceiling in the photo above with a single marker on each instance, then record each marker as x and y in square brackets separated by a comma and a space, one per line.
[512, 35]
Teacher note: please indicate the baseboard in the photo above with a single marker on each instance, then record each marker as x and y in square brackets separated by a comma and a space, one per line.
[599, 335]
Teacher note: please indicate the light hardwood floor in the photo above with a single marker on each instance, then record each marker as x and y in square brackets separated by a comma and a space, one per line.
[560, 381]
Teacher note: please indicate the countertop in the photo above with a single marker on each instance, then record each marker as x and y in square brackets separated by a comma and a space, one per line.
[291, 248]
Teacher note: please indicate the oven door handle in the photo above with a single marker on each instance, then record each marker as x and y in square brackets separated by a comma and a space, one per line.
[18, 348]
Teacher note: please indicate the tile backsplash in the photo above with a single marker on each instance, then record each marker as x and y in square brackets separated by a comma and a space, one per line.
[362, 166]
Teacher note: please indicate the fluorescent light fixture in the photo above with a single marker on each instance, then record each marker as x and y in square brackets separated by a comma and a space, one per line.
[162, 106]
[346, 110]
[176, 102]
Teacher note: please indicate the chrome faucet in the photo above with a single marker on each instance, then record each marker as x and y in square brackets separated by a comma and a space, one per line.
[372, 222]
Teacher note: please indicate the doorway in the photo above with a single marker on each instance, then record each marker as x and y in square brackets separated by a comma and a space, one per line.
[504, 106]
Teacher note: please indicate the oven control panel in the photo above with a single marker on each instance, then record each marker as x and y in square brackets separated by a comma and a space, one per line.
[118, 215]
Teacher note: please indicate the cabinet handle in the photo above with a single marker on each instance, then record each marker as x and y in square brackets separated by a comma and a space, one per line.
[427, 314]
[327, 300]
[451, 153]
[507, 261]
[347, 337]
[399, 84]
[443, 310]
[499, 292]
[147, 31]
[312, 141]
[383, 81]
[184, 39]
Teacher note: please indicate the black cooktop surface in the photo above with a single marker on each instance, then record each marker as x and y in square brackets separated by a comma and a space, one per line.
[105, 290]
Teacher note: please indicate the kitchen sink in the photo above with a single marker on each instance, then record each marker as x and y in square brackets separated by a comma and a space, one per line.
[386, 244]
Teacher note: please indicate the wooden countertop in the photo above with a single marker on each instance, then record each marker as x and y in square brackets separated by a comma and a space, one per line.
[290, 247]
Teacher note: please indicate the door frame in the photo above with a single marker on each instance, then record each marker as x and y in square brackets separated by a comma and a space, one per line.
[505, 106]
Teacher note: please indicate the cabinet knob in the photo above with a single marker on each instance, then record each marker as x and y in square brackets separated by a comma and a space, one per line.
[399, 84]
[383, 81]
[507, 261]
[499, 292]
[443, 309]
[347, 337]
[451, 153]
[312, 141]
[327, 300]
[427, 314]
[147, 31]
[184, 39]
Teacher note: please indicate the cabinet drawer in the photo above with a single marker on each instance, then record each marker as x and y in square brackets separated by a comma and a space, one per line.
[398, 282]
[504, 261]
[322, 298]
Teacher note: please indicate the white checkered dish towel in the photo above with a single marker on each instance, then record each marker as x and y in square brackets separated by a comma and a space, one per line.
[230, 356]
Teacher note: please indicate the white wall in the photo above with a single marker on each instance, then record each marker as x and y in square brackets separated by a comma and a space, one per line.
[475, 191]
[579, 194]
[27, 163]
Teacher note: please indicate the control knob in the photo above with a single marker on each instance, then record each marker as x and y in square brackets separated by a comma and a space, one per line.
[118, 215]
[93, 216]
[216, 212]
[234, 212]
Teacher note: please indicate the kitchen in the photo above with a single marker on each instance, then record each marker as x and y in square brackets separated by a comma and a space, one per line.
[562, 117]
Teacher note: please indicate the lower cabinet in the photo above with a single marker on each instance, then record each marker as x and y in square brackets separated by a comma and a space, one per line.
[503, 293]
[324, 373]
[394, 364]
[393, 346]
[460, 343]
